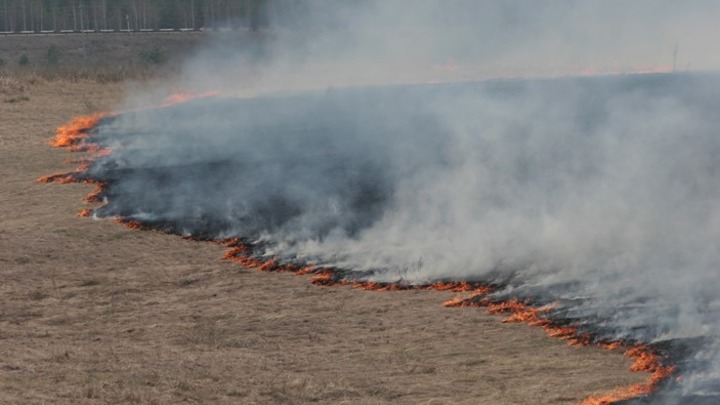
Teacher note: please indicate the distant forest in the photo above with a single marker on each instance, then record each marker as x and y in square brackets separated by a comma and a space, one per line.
[136, 15]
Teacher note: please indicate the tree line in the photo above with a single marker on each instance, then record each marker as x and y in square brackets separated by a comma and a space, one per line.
[136, 15]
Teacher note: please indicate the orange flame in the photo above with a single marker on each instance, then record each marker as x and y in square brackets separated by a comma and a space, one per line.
[94, 196]
[185, 96]
[241, 253]
[73, 134]
[645, 360]
[85, 212]
[131, 224]
[62, 178]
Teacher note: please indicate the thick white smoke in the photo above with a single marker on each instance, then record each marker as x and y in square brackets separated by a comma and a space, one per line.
[600, 192]
[316, 43]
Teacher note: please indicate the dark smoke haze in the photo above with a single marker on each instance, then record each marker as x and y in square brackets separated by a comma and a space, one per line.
[601, 193]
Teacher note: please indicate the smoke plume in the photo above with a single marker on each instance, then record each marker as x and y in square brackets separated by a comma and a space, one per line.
[600, 193]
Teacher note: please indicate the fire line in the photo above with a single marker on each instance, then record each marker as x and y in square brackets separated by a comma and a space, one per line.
[74, 137]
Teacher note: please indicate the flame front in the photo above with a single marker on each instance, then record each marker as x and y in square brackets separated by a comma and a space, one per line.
[324, 276]
[73, 134]
[644, 360]
[184, 96]
[74, 137]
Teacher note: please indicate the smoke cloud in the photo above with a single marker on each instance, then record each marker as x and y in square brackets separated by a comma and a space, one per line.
[316, 44]
[600, 193]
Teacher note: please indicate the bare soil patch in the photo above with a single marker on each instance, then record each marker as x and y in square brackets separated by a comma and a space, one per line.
[91, 312]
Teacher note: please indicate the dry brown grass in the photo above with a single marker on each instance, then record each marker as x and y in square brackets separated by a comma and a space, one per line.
[108, 58]
[11, 85]
[12, 89]
[99, 74]
[91, 312]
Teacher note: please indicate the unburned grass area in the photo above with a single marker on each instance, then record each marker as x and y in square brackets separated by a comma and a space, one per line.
[103, 58]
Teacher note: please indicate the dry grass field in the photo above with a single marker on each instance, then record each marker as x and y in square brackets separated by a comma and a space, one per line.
[91, 312]
[101, 57]
[97, 49]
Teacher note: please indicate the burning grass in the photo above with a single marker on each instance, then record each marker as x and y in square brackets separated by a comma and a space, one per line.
[323, 276]
[73, 134]
[74, 137]
[645, 359]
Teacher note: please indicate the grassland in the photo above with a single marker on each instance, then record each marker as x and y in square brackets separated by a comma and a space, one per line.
[97, 57]
[91, 312]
